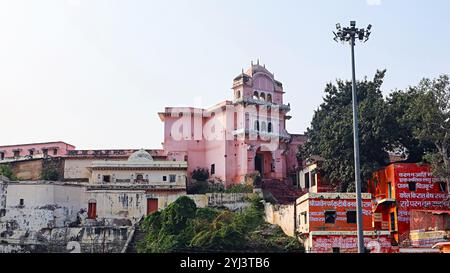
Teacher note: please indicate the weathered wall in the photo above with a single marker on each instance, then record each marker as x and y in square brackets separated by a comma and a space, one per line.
[347, 243]
[281, 215]
[201, 200]
[154, 177]
[44, 205]
[50, 215]
[92, 239]
[3, 191]
[76, 169]
[31, 169]
[55, 163]
[429, 220]
[231, 201]
[60, 203]
[27, 170]
[123, 204]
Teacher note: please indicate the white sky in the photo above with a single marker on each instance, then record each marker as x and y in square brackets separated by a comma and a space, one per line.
[94, 73]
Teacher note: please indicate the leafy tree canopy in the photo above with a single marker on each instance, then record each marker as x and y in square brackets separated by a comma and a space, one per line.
[404, 142]
[430, 113]
[414, 123]
[330, 135]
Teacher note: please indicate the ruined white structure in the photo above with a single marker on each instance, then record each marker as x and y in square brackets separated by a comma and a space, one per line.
[45, 215]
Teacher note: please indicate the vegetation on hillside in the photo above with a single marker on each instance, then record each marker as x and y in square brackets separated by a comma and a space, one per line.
[182, 227]
[202, 187]
[6, 170]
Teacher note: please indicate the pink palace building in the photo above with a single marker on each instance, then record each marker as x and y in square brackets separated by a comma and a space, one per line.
[240, 138]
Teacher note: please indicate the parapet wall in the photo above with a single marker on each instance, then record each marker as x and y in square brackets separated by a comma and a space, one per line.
[231, 201]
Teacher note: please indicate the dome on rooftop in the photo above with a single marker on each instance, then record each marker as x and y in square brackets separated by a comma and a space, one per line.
[141, 155]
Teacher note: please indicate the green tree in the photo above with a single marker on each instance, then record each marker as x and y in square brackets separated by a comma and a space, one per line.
[401, 127]
[331, 132]
[6, 170]
[49, 173]
[200, 174]
[430, 113]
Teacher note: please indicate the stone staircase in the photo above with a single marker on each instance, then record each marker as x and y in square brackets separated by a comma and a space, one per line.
[280, 192]
[136, 236]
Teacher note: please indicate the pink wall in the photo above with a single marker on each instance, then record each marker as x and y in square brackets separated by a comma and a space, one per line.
[60, 147]
[231, 157]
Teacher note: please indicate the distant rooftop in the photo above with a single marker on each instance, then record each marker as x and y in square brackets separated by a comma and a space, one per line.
[37, 143]
[113, 153]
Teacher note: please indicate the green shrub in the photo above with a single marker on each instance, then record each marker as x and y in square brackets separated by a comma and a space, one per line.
[170, 229]
[252, 217]
[6, 170]
[240, 188]
[271, 237]
[216, 187]
[182, 227]
[202, 187]
[207, 214]
[200, 174]
[198, 187]
[49, 173]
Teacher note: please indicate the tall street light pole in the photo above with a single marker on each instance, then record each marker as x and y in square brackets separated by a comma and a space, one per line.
[351, 34]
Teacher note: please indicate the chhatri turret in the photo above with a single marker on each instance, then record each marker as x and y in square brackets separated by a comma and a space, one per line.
[258, 83]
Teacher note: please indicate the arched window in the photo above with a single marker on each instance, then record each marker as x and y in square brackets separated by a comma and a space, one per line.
[269, 127]
[255, 95]
[262, 96]
[269, 97]
[238, 94]
[263, 126]
[257, 125]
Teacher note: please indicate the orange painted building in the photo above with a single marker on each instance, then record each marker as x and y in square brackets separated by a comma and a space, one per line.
[310, 179]
[326, 222]
[400, 188]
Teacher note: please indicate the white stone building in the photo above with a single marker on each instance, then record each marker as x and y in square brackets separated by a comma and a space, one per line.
[117, 195]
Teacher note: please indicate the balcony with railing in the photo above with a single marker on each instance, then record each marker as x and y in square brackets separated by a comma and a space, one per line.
[262, 134]
[137, 186]
[134, 181]
[282, 107]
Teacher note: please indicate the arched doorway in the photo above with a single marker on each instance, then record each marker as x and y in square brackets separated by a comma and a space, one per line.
[264, 163]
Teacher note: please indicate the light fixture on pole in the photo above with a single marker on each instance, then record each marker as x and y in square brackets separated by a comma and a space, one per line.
[351, 34]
